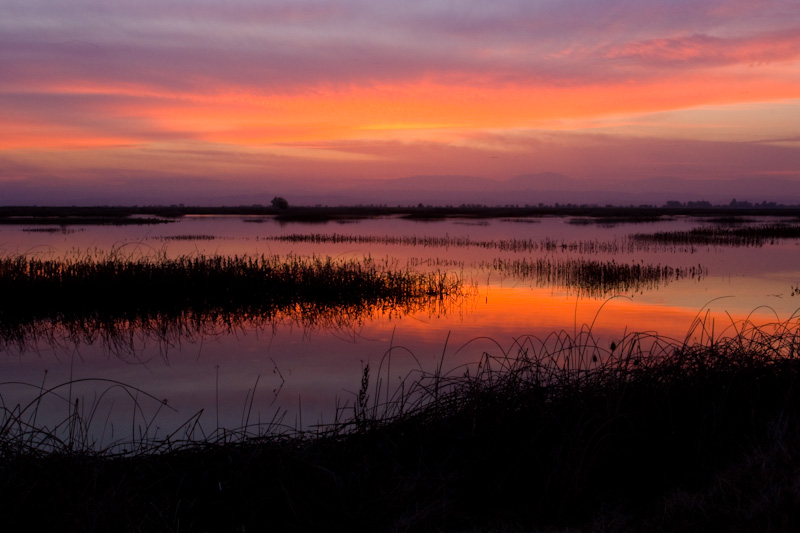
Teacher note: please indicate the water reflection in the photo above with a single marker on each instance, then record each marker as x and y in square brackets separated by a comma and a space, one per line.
[126, 334]
[519, 281]
[123, 302]
[172, 301]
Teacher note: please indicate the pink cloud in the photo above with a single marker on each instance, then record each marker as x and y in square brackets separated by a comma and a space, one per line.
[708, 51]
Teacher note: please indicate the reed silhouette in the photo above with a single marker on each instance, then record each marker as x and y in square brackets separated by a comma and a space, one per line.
[589, 278]
[113, 299]
[725, 235]
[718, 235]
[642, 433]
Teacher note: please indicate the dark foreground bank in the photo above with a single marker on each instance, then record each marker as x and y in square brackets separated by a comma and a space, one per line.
[644, 434]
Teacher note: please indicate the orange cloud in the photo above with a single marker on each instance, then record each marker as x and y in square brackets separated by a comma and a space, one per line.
[432, 109]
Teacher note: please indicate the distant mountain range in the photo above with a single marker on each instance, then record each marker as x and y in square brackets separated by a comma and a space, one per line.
[527, 189]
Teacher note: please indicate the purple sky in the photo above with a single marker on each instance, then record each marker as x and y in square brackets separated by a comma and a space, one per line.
[239, 95]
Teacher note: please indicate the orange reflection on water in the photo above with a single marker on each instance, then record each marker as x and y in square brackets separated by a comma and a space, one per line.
[546, 310]
[507, 313]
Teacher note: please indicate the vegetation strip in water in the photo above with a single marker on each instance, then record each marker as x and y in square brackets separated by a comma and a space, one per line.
[756, 235]
[593, 278]
[641, 434]
[590, 278]
[611, 221]
[82, 221]
[95, 292]
[199, 237]
[508, 245]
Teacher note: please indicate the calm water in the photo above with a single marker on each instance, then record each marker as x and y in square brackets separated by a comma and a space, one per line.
[299, 373]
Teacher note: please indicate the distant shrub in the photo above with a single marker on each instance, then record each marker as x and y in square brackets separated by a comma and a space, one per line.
[280, 203]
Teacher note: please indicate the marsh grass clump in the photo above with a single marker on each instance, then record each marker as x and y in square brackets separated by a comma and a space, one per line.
[91, 296]
[526, 220]
[198, 237]
[568, 431]
[593, 278]
[108, 282]
[730, 220]
[725, 235]
[62, 229]
[612, 221]
[545, 244]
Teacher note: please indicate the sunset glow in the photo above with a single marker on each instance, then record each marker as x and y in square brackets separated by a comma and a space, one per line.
[367, 90]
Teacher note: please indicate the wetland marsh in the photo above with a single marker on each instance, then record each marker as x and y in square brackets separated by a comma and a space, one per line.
[140, 339]
[212, 302]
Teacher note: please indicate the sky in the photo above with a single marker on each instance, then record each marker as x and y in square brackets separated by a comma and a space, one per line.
[236, 94]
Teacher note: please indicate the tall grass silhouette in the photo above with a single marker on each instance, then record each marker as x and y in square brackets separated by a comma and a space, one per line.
[87, 297]
[639, 433]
